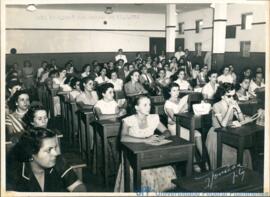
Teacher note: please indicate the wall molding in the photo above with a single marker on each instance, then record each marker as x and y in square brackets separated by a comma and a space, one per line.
[220, 20]
[69, 29]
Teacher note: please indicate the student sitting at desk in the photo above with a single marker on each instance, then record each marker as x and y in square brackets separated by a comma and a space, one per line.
[88, 97]
[139, 128]
[256, 84]
[102, 78]
[76, 90]
[133, 87]
[107, 107]
[175, 105]
[209, 89]
[183, 84]
[222, 116]
[242, 93]
[19, 104]
[35, 165]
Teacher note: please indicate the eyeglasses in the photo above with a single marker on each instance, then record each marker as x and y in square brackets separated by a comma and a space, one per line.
[229, 96]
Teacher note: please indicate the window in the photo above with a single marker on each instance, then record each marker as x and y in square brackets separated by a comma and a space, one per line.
[245, 48]
[181, 28]
[230, 31]
[198, 47]
[247, 21]
[199, 24]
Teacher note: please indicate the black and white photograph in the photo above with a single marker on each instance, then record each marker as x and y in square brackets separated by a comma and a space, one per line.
[139, 98]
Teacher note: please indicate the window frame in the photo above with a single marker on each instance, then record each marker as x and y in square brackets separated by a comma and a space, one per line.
[244, 20]
[243, 53]
[198, 28]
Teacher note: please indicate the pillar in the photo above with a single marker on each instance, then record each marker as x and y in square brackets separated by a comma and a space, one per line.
[219, 35]
[171, 21]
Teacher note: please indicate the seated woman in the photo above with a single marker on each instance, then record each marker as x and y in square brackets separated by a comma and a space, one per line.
[132, 86]
[107, 107]
[226, 76]
[175, 105]
[76, 90]
[256, 84]
[118, 88]
[183, 84]
[85, 70]
[162, 81]
[209, 89]
[19, 104]
[102, 78]
[173, 65]
[59, 81]
[222, 116]
[35, 165]
[117, 83]
[242, 93]
[88, 97]
[203, 75]
[139, 128]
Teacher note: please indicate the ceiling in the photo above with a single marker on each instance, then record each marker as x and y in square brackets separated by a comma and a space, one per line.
[141, 8]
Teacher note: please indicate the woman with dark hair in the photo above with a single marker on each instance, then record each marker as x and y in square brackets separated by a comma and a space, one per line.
[209, 89]
[107, 107]
[102, 78]
[175, 105]
[173, 64]
[183, 84]
[76, 90]
[139, 128]
[132, 86]
[85, 70]
[226, 76]
[19, 104]
[224, 110]
[36, 116]
[34, 165]
[242, 93]
[117, 83]
[89, 96]
[162, 81]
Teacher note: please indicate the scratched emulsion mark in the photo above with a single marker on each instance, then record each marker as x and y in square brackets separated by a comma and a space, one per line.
[235, 171]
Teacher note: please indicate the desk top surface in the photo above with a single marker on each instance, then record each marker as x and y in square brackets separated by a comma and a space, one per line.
[110, 122]
[144, 148]
[242, 131]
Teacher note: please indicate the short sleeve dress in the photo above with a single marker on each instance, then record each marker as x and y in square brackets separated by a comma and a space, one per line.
[182, 106]
[157, 179]
[229, 154]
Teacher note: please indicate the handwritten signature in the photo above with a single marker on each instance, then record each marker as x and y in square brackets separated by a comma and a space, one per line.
[237, 171]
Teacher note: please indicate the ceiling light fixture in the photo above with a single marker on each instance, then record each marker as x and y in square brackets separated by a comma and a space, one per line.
[31, 7]
[108, 10]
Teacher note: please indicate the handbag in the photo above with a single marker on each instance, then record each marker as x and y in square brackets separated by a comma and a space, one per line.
[201, 108]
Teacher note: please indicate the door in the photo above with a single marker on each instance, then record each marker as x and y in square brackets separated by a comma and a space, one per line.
[157, 45]
[179, 42]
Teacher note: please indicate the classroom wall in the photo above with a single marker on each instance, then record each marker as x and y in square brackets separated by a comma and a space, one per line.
[190, 36]
[61, 30]
[257, 35]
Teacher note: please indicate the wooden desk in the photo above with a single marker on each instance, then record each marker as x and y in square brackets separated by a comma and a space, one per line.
[52, 93]
[241, 138]
[248, 107]
[192, 122]
[86, 116]
[141, 155]
[64, 111]
[107, 129]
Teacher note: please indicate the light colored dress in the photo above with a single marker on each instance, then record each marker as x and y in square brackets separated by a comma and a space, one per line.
[176, 108]
[209, 91]
[157, 179]
[229, 156]
[183, 84]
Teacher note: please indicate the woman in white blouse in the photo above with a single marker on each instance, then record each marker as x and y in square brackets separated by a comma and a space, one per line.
[210, 88]
[183, 84]
[117, 83]
[175, 105]
[102, 78]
